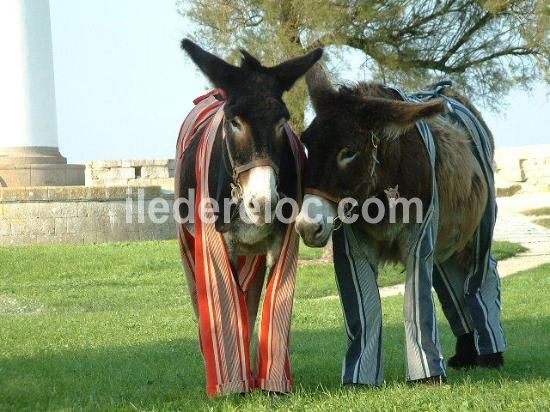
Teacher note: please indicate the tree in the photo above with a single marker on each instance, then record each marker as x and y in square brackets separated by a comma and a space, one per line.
[485, 47]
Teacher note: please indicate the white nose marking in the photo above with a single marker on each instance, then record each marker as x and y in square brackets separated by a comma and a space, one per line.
[260, 189]
[261, 182]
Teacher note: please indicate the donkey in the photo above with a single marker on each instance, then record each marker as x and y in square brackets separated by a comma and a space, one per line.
[245, 152]
[363, 144]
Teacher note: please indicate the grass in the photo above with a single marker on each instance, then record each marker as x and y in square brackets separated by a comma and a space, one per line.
[110, 327]
[541, 211]
[503, 250]
[310, 253]
[543, 222]
[389, 274]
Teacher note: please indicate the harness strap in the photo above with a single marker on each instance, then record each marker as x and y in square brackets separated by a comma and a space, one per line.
[237, 170]
[317, 192]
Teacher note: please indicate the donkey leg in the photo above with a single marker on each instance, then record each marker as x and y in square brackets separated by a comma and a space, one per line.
[448, 282]
[485, 306]
[273, 365]
[356, 273]
[253, 295]
[423, 350]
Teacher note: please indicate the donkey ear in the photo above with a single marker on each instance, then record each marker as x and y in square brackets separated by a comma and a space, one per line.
[220, 73]
[288, 72]
[320, 89]
[250, 61]
[397, 116]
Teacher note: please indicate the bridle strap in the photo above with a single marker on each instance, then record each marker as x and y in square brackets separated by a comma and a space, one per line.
[317, 192]
[255, 163]
[237, 170]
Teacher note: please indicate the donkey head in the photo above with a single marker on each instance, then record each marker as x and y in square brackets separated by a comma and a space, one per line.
[342, 143]
[255, 117]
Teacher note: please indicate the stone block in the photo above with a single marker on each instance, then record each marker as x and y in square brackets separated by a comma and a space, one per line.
[510, 175]
[161, 162]
[154, 172]
[95, 193]
[133, 163]
[23, 194]
[122, 173]
[105, 164]
[115, 182]
[61, 193]
[5, 227]
[78, 225]
[63, 209]
[140, 182]
[48, 175]
[15, 176]
[166, 184]
[27, 210]
[116, 192]
[37, 226]
[75, 175]
[37, 193]
[60, 226]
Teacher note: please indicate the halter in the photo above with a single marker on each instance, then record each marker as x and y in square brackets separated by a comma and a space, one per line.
[236, 187]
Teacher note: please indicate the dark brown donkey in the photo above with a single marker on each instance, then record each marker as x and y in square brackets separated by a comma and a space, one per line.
[254, 159]
[363, 144]
[255, 155]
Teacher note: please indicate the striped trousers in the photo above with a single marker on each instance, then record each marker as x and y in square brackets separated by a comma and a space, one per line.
[469, 304]
[226, 294]
[467, 310]
[472, 305]
[471, 300]
[226, 306]
[356, 269]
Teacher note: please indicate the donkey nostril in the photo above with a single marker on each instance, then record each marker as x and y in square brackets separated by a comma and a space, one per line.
[318, 230]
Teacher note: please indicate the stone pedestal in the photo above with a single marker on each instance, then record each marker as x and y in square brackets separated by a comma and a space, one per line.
[38, 166]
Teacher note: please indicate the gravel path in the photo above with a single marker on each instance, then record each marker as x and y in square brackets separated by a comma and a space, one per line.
[512, 225]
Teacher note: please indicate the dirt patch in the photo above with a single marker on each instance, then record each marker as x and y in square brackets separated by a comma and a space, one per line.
[10, 305]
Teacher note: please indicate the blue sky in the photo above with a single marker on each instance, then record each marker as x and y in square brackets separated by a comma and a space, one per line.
[123, 86]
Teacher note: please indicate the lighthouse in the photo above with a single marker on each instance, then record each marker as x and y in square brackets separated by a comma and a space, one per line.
[29, 150]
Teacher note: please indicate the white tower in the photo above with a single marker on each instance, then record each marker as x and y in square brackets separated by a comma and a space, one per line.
[29, 154]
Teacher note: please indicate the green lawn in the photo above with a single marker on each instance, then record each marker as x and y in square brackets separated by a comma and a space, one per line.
[543, 222]
[310, 253]
[541, 211]
[389, 274]
[110, 327]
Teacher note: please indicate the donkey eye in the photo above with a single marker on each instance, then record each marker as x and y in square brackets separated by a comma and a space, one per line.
[346, 156]
[280, 127]
[234, 123]
[347, 153]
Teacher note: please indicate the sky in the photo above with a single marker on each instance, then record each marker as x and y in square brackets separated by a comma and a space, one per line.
[123, 85]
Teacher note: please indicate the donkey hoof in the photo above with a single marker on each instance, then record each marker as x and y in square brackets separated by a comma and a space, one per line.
[432, 380]
[466, 353]
[491, 361]
[457, 362]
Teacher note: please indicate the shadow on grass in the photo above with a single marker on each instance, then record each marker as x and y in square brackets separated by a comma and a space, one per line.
[170, 374]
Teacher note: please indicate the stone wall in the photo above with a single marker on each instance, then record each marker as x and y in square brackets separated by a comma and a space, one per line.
[526, 167]
[80, 215]
[133, 173]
